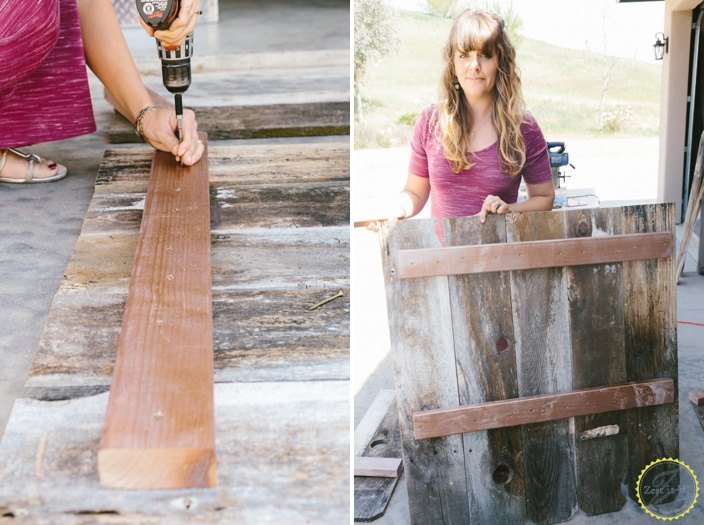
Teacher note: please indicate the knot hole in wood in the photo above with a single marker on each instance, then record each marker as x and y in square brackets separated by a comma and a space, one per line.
[502, 474]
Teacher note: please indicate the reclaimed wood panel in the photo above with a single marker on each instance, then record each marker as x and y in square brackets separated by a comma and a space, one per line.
[562, 320]
[260, 306]
[539, 300]
[529, 255]
[651, 341]
[49, 453]
[372, 495]
[152, 439]
[595, 297]
[425, 374]
[546, 407]
[486, 371]
[258, 121]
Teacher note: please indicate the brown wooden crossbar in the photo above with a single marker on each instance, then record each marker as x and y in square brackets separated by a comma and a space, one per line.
[546, 407]
[527, 255]
[159, 428]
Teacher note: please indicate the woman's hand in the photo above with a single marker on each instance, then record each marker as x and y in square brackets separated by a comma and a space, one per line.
[160, 127]
[493, 204]
[181, 27]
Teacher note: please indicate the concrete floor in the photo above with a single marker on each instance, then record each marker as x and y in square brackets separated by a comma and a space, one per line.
[39, 224]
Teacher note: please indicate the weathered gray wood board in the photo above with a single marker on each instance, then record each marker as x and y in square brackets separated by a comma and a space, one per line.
[281, 370]
[49, 476]
[262, 121]
[523, 333]
[372, 494]
[420, 325]
[650, 340]
[481, 318]
[595, 295]
[261, 95]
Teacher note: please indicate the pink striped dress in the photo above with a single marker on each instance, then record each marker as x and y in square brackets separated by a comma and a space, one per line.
[44, 91]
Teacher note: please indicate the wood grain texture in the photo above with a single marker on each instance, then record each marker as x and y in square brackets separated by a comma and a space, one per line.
[372, 495]
[539, 299]
[285, 453]
[533, 254]
[303, 119]
[423, 352]
[377, 467]
[486, 371]
[546, 407]
[159, 428]
[595, 300]
[651, 341]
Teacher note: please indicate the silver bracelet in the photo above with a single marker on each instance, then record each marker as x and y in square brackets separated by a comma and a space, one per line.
[138, 121]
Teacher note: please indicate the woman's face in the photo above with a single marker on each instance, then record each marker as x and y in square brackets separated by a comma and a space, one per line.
[476, 73]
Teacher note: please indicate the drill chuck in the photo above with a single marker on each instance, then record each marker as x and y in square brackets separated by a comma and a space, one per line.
[176, 65]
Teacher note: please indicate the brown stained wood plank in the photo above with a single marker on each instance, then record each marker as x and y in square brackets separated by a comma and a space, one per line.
[546, 407]
[651, 341]
[539, 301]
[532, 254]
[377, 467]
[596, 319]
[425, 378]
[486, 369]
[259, 121]
[152, 438]
[372, 495]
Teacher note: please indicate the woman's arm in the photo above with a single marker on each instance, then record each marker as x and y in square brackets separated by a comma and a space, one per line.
[541, 197]
[414, 196]
[109, 58]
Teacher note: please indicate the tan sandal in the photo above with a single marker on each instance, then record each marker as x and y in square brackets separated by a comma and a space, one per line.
[31, 158]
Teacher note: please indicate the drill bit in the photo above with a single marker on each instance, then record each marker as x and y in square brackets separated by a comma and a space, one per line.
[179, 115]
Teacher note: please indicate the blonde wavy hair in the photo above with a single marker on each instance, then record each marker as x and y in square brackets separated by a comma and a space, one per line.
[474, 30]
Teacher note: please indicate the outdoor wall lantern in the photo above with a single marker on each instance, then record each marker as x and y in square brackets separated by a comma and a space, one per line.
[660, 46]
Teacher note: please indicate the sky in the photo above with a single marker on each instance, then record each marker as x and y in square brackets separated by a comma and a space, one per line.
[604, 26]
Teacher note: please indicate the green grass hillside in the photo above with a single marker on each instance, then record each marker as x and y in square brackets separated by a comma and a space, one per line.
[563, 88]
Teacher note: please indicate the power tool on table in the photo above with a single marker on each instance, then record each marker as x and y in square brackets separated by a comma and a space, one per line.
[175, 63]
[558, 159]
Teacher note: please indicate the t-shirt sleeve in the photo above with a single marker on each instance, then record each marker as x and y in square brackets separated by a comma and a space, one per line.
[418, 163]
[537, 166]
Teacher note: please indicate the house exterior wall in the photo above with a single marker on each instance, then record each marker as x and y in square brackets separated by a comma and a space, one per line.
[673, 102]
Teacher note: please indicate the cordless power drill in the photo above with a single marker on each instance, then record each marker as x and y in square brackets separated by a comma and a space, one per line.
[175, 63]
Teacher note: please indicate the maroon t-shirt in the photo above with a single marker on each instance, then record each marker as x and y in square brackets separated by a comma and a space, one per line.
[462, 194]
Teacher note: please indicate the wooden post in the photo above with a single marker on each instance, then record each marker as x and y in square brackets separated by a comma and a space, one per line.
[159, 429]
